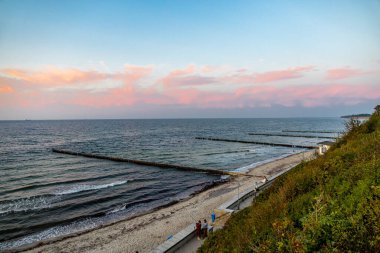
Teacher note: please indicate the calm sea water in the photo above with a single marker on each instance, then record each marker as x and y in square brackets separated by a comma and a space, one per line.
[44, 195]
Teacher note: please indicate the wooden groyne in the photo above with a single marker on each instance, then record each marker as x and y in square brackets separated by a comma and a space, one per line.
[257, 142]
[292, 135]
[307, 131]
[153, 164]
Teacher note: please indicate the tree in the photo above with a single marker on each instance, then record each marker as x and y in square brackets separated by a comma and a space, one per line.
[377, 110]
[352, 124]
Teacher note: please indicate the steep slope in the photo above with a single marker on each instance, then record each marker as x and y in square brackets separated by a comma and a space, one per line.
[329, 204]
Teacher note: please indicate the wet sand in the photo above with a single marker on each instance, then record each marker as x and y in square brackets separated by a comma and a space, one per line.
[146, 232]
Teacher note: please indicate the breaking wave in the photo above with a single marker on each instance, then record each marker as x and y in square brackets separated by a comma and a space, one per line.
[27, 204]
[87, 187]
[46, 201]
[61, 230]
[256, 164]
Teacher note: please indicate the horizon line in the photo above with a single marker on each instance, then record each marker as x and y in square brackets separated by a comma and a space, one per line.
[185, 118]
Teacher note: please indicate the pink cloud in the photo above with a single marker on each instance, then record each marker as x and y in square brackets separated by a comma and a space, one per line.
[279, 75]
[211, 69]
[308, 96]
[190, 69]
[242, 76]
[257, 96]
[266, 96]
[175, 76]
[6, 89]
[28, 93]
[27, 99]
[193, 80]
[133, 73]
[189, 76]
[181, 87]
[342, 73]
[54, 76]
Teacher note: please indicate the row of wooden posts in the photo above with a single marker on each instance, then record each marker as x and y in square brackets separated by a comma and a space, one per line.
[187, 168]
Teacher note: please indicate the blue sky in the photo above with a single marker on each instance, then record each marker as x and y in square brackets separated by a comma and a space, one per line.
[48, 40]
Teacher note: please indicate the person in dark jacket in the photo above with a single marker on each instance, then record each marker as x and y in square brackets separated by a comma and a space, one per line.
[204, 228]
[198, 229]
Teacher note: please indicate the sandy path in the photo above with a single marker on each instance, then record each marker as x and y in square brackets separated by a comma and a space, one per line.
[146, 232]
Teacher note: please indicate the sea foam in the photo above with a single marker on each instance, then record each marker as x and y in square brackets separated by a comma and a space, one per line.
[46, 201]
[27, 204]
[87, 187]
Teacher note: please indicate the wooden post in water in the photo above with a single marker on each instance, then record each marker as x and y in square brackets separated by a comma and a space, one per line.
[257, 142]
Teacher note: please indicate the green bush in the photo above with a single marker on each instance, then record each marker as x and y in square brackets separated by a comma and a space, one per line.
[330, 204]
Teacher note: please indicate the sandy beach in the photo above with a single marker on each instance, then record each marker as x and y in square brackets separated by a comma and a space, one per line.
[146, 232]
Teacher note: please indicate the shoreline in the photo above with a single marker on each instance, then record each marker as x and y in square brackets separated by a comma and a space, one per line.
[129, 235]
[57, 239]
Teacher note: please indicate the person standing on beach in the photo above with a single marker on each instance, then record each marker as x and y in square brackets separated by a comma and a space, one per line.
[210, 229]
[204, 229]
[198, 229]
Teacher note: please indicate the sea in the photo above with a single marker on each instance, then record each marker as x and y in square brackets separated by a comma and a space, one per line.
[45, 195]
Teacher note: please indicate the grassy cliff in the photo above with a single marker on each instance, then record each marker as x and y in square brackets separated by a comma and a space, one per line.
[329, 204]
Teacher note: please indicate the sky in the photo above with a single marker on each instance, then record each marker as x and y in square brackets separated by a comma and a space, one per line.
[88, 59]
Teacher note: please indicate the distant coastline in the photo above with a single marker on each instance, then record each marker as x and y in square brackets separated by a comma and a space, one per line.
[361, 115]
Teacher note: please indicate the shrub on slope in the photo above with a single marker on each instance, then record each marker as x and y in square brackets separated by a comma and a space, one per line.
[329, 204]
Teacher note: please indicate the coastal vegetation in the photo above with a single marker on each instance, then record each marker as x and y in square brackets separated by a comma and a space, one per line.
[356, 115]
[330, 204]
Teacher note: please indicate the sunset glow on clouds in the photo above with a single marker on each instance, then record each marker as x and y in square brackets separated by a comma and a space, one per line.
[342, 73]
[53, 76]
[139, 59]
[183, 87]
[270, 76]
[5, 89]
